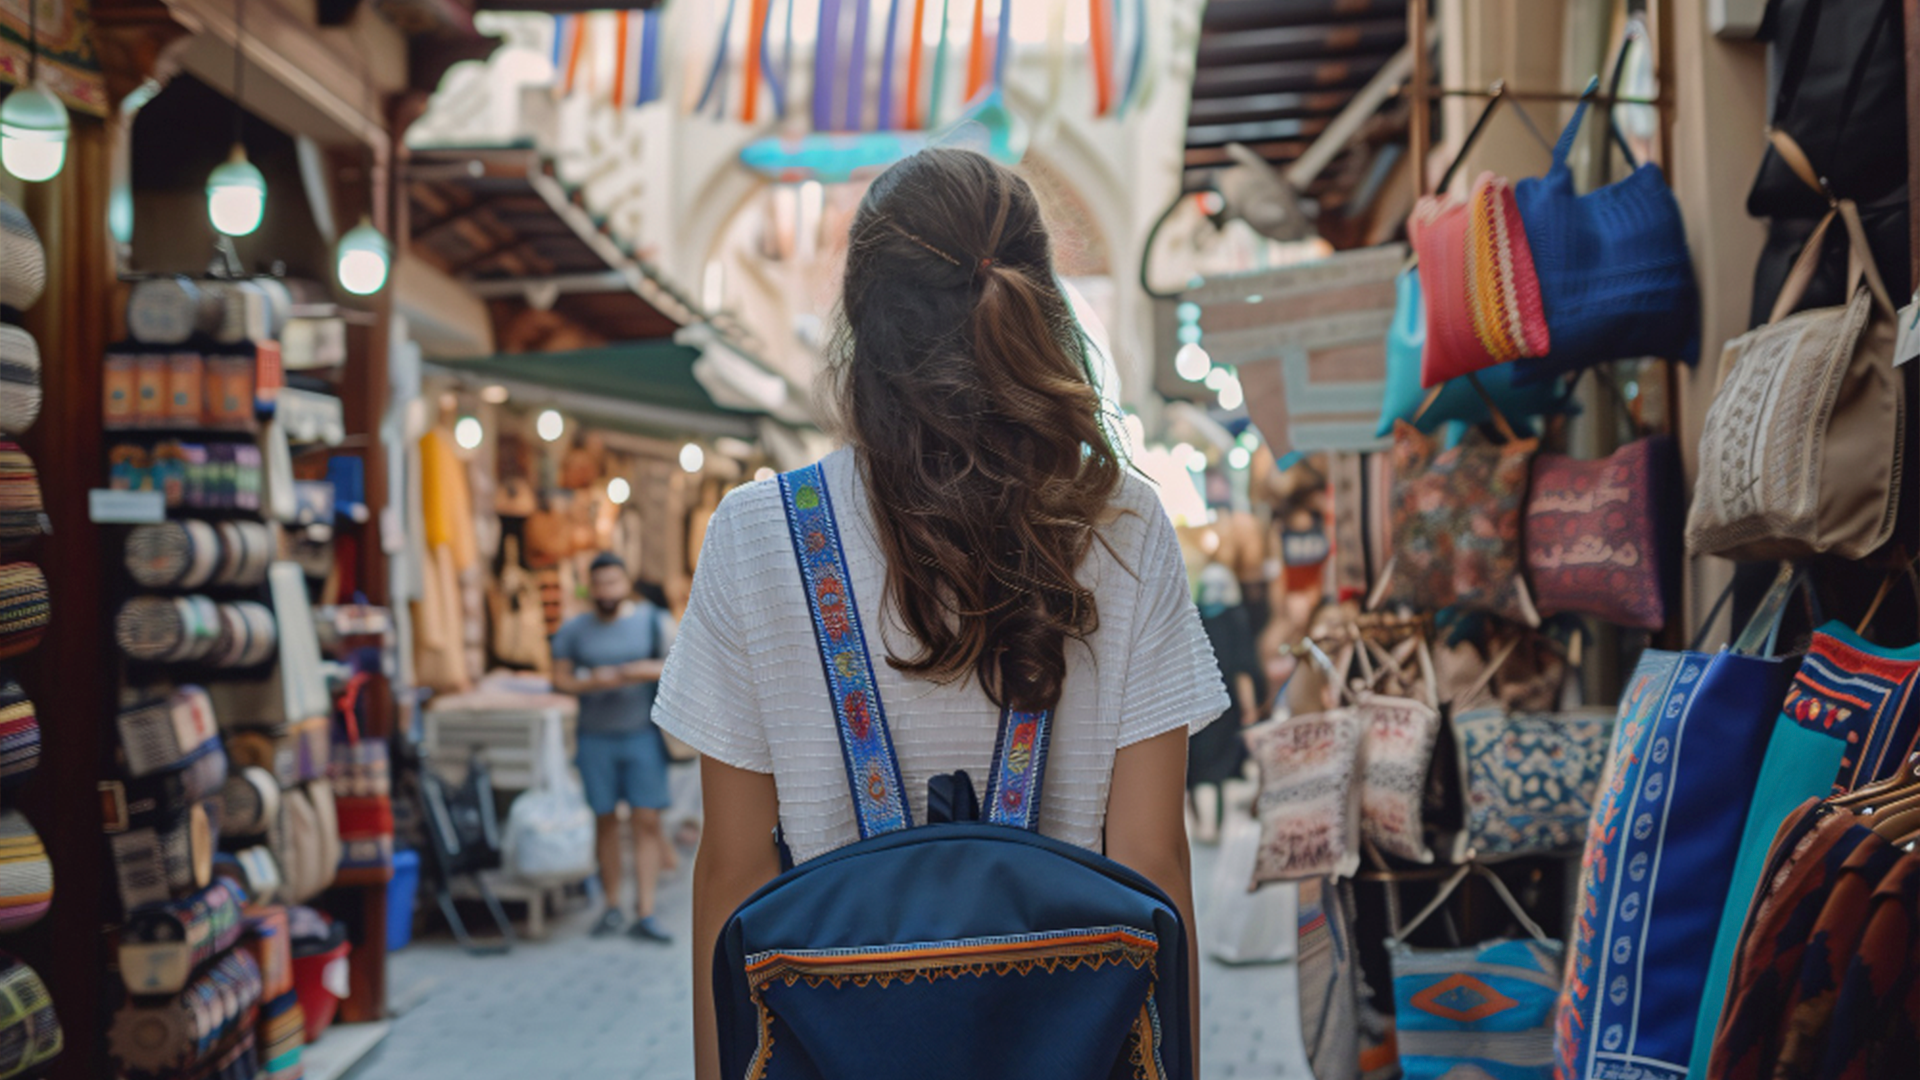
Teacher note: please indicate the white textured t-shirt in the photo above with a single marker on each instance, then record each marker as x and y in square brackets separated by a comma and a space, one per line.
[744, 685]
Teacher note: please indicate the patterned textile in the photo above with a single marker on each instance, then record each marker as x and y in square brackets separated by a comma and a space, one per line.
[19, 735]
[1866, 694]
[1477, 280]
[19, 379]
[1598, 534]
[1876, 1019]
[67, 64]
[1309, 804]
[1309, 341]
[282, 1035]
[1530, 778]
[1329, 980]
[1687, 752]
[1849, 713]
[22, 514]
[192, 1027]
[30, 1032]
[1347, 480]
[24, 608]
[23, 259]
[1802, 869]
[1484, 1010]
[1456, 525]
[1406, 342]
[26, 874]
[880, 797]
[1400, 737]
[1504, 291]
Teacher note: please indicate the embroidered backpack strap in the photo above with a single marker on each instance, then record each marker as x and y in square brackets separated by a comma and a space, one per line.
[873, 770]
[1019, 767]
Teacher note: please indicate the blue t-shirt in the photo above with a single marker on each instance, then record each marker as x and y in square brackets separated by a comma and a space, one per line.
[587, 642]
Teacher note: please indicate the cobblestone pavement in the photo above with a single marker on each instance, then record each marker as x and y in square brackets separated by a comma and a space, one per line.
[575, 1007]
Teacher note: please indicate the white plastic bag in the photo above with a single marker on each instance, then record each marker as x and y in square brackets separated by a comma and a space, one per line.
[549, 835]
[1245, 927]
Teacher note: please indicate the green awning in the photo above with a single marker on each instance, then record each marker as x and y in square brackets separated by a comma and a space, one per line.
[642, 386]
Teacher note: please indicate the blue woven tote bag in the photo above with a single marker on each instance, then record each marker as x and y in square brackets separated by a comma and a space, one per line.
[1615, 277]
[960, 949]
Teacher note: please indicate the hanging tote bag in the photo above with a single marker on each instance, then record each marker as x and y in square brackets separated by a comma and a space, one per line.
[1310, 777]
[1481, 1011]
[1598, 534]
[1477, 279]
[1456, 524]
[1802, 446]
[1615, 278]
[1688, 745]
[1401, 732]
[1406, 343]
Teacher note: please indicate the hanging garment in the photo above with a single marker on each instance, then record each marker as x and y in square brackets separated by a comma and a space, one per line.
[445, 498]
[1847, 719]
[1805, 863]
[1875, 1031]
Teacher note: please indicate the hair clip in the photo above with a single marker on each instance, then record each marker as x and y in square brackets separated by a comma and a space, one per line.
[928, 246]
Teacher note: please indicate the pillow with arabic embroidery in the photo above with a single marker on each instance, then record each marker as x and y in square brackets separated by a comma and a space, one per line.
[1309, 804]
[1601, 534]
[1456, 524]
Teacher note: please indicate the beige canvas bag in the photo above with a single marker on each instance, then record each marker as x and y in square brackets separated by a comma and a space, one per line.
[1801, 451]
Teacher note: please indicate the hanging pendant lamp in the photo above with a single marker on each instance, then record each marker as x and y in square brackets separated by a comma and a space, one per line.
[236, 191]
[33, 123]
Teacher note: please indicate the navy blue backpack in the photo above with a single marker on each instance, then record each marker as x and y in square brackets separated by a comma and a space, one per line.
[962, 948]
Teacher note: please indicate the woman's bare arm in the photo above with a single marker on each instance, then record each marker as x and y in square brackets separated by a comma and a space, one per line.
[1147, 832]
[736, 857]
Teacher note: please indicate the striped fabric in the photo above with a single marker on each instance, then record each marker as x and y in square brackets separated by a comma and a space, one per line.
[23, 259]
[19, 735]
[19, 379]
[26, 875]
[30, 1033]
[22, 513]
[1501, 283]
[24, 608]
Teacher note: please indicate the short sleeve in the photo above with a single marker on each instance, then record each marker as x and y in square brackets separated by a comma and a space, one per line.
[1172, 679]
[706, 698]
[562, 645]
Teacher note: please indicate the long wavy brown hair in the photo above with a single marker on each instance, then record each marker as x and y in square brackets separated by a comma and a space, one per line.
[963, 381]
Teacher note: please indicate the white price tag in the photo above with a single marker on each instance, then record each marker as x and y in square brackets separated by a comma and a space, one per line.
[108, 507]
[1908, 345]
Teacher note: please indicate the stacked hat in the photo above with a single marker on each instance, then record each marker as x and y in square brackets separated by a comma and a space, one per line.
[26, 875]
[19, 379]
[19, 735]
[24, 607]
[22, 513]
[23, 259]
[23, 277]
[29, 1031]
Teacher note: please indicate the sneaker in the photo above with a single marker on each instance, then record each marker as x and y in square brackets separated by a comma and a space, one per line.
[608, 924]
[649, 929]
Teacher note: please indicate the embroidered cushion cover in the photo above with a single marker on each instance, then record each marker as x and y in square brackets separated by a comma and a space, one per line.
[1456, 524]
[1598, 534]
[1530, 778]
[1687, 751]
[950, 950]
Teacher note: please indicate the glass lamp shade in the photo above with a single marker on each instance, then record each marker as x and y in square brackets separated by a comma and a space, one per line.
[236, 195]
[363, 258]
[33, 133]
